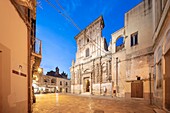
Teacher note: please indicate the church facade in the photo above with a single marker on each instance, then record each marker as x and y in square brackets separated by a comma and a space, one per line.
[138, 67]
[91, 71]
[120, 70]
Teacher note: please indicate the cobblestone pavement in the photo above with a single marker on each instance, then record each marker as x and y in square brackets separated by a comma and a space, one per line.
[67, 103]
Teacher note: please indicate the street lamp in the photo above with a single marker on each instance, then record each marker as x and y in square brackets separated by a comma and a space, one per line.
[39, 70]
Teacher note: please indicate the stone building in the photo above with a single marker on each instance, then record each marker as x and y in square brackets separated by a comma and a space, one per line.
[161, 47]
[137, 62]
[133, 57]
[63, 85]
[91, 71]
[52, 82]
[18, 54]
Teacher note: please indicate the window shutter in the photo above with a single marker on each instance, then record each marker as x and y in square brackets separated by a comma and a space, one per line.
[131, 41]
[136, 38]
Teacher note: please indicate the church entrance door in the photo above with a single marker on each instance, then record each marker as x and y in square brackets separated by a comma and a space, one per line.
[87, 85]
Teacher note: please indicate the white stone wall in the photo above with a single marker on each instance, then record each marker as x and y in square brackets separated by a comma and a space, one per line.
[96, 89]
[161, 39]
[64, 86]
[90, 38]
[134, 60]
[76, 89]
[139, 19]
[56, 84]
[93, 71]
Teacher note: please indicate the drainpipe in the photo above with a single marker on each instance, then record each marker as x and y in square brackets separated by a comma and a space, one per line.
[150, 89]
[92, 77]
[91, 83]
[79, 79]
[73, 80]
[100, 74]
[116, 76]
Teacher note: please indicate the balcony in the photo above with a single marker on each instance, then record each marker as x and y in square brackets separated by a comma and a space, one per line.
[36, 51]
[37, 47]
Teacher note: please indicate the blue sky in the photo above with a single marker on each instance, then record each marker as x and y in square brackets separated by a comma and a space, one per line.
[57, 33]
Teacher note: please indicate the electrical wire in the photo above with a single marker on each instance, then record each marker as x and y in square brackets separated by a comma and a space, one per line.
[78, 26]
[67, 17]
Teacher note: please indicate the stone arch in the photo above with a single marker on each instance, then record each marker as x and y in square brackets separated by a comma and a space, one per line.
[119, 44]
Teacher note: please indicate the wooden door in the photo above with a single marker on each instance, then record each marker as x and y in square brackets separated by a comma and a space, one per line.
[137, 89]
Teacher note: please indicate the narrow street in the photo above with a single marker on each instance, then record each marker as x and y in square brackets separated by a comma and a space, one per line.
[67, 103]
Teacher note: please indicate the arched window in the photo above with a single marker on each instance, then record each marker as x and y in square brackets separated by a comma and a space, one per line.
[87, 52]
[119, 43]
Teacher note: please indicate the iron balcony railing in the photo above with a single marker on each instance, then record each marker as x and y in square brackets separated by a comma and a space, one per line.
[37, 46]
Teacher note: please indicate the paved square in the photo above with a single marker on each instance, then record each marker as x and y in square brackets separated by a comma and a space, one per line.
[67, 103]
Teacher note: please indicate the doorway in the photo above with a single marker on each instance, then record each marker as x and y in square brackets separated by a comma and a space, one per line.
[167, 78]
[137, 89]
[87, 85]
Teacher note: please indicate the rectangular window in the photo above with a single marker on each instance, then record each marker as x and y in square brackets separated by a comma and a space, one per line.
[134, 39]
[66, 83]
[60, 82]
[60, 89]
